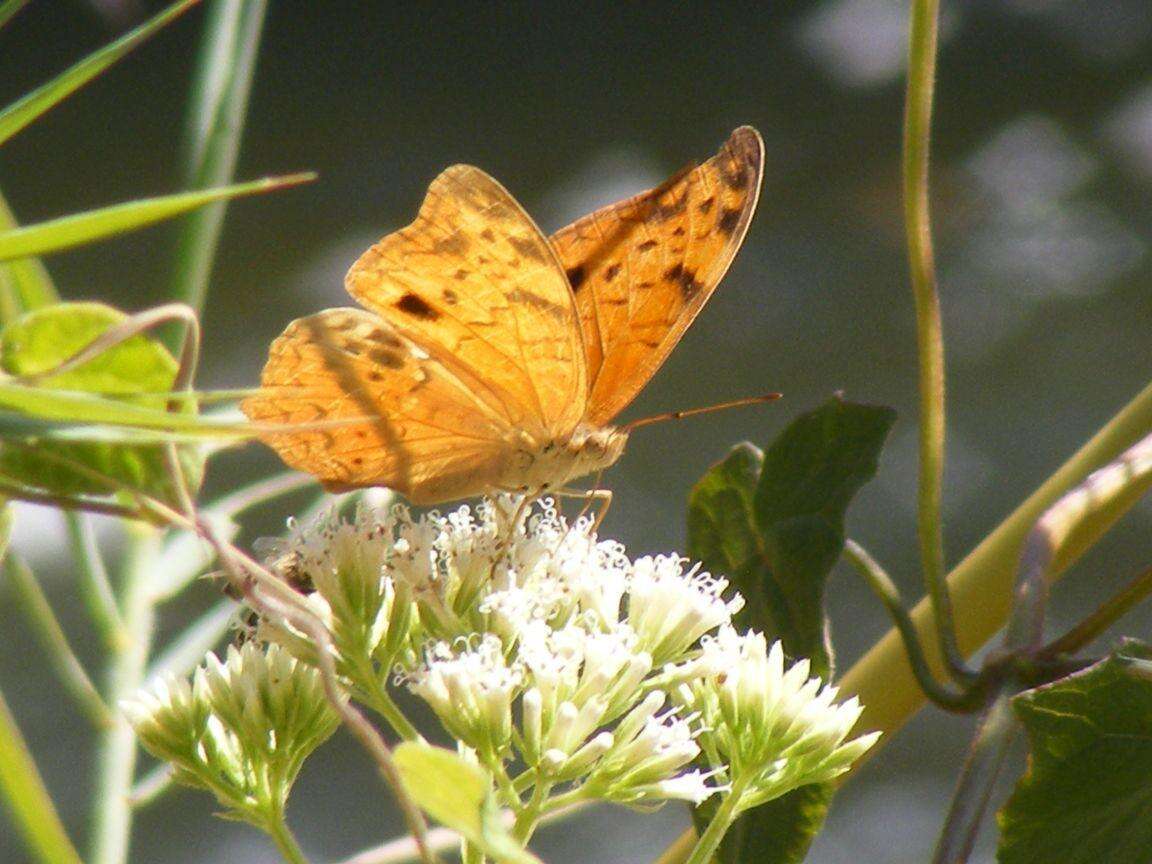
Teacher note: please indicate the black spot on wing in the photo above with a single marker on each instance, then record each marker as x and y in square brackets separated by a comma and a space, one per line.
[611, 271]
[576, 276]
[685, 279]
[729, 219]
[646, 245]
[417, 307]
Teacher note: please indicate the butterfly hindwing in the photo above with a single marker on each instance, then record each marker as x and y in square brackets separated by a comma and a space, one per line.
[347, 398]
[474, 282]
[642, 269]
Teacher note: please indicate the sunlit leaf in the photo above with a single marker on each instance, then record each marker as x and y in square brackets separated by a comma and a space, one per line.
[457, 794]
[131, 371]
[80, 228]
[1087, 796]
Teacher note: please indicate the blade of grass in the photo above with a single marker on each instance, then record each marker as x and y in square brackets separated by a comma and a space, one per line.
[9, 8]
[214, 128]
[22, 112]
[54, 641]
[25, 283]
[29, 803]
[21, 786]
[74, 230]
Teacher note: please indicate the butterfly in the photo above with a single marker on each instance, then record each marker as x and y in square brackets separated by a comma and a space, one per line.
[489, 357]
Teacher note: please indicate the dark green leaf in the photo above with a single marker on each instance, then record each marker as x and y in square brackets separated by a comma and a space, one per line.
[721, 531]
[130, 371]
[774, 525]
[810, 474]
[1087, 797]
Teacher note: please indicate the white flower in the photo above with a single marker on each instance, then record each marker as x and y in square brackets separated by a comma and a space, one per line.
[770, 729]
[241, 730]
[671, 609]
[471, 690]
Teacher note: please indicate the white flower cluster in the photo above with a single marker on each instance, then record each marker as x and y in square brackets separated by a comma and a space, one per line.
[241, 728]
[538, 645]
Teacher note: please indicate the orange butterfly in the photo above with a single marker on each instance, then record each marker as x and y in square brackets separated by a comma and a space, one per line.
[490, 357]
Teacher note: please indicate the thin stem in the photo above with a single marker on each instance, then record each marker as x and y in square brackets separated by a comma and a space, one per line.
[95, 586]
[529, 817]
[726, 813]
[112, 811]
[152, 786]
[55, 643]
[285, 841]
[215, 125]
[884, 588]
[974, 789]
[377, 698]
[9, 8]
[1112, 610]
[982, 582]
[929, 333]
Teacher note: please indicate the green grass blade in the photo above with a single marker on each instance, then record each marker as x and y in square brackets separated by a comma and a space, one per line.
[24, 284]
[34, 404]
[30, 806]
[10, 8]
[214, 128]
[69, 231]
[22, 112]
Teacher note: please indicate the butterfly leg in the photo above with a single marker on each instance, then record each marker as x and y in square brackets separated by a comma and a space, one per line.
[589, 496]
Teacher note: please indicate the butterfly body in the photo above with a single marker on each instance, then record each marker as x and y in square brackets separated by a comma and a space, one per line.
[491, 357]
[550, 465]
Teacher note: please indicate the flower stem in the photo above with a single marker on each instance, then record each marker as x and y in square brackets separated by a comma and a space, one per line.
[285, 841]
[929, 332]
[726, 814]
[112, 811]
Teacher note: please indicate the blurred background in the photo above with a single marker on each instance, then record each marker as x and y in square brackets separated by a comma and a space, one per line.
[1043, 205]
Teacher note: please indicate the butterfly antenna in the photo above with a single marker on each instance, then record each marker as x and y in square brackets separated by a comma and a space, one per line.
[708, 409]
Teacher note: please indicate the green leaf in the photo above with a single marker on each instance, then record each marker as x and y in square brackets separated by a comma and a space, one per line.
[24, 284]
[29, 804]
[130, 371]
[774, 525]
[80, 228]
[22, 112]
[810, 474]
[1087, 797]
[458, 794]
[721, 529]
[9, 8]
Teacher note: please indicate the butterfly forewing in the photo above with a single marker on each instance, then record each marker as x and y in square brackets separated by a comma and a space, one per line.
[347, 398]
[642, 269]
[474, 282]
